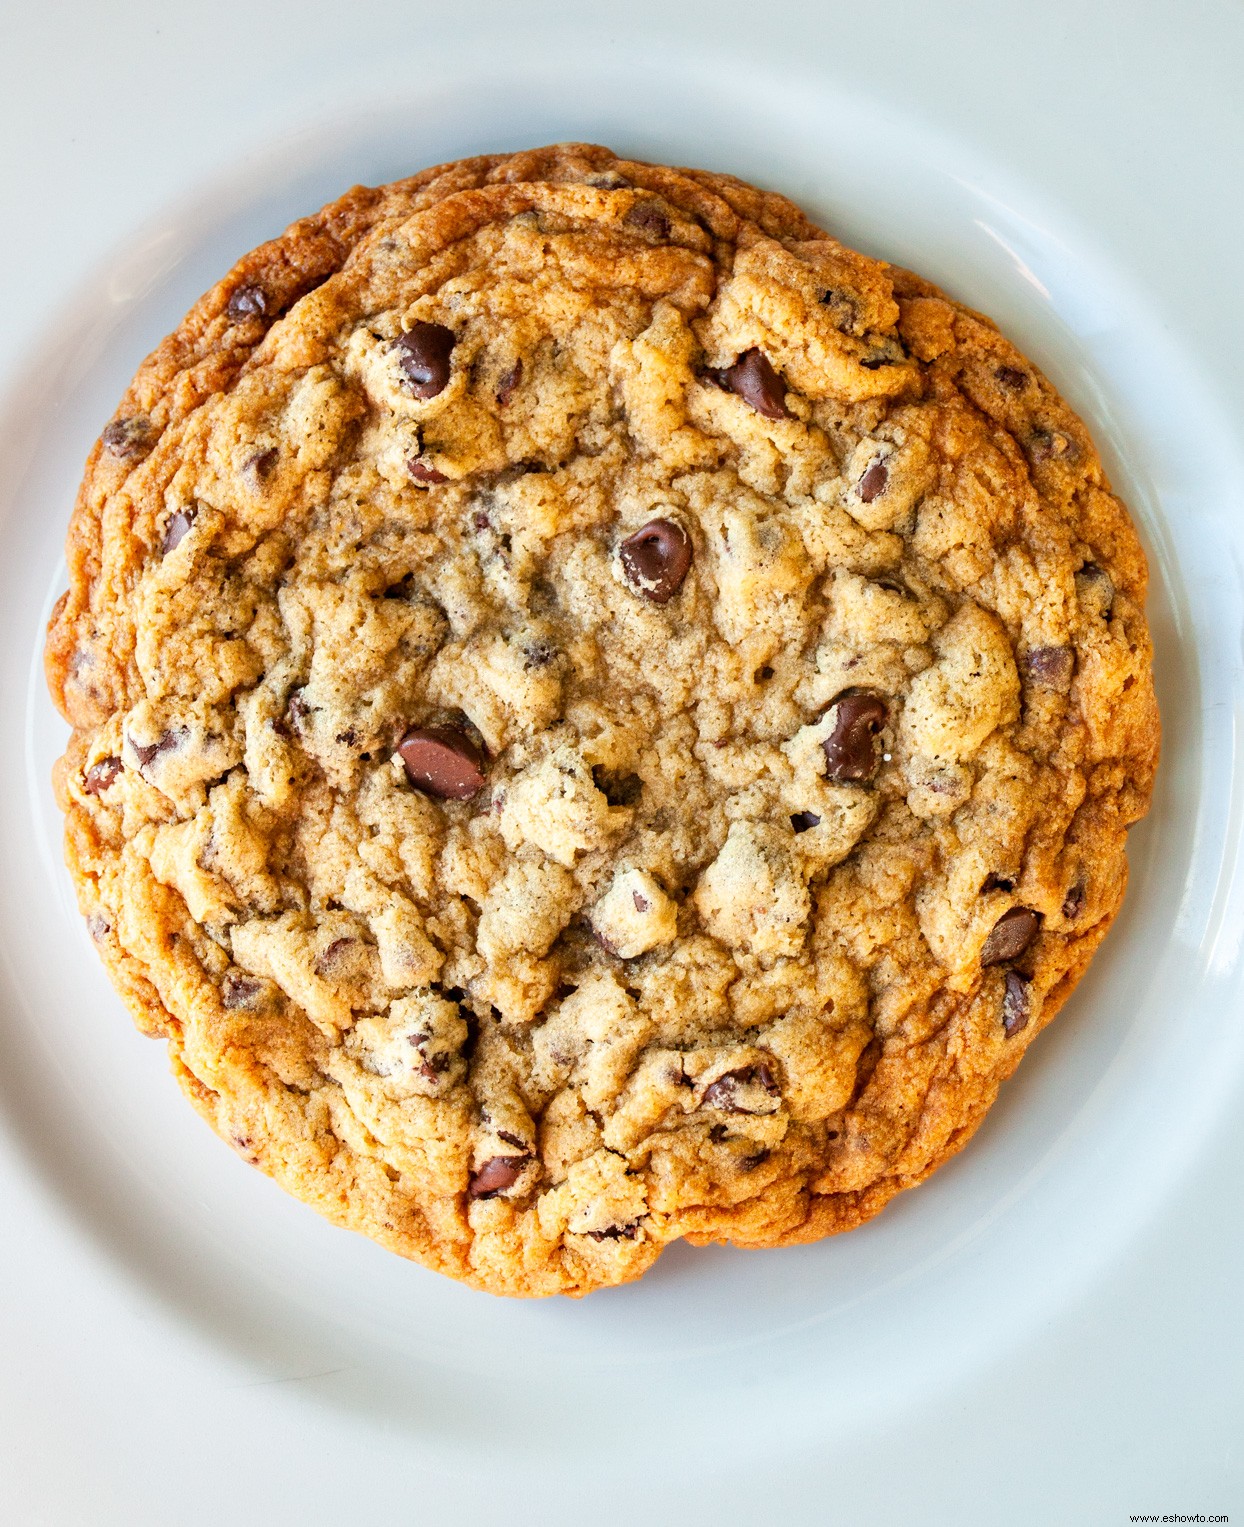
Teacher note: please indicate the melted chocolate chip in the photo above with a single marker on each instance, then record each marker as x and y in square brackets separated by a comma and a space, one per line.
[442, 762]
[649, 219]
[727, 1091]
[657, 559]
[333, 955]
[248, 302]
[100, 775]
[423, 354]
[1012, 378]
[177, 529]
[147, 755]
[1015, 1003]
[614, 1232]
[753, 378]
[297, 710]
[431, 1070]
[1010, 936]
[1049, 667]
[873, 483]
[1073, 902]
[496, 1175]
[851, 748]
[422, 472]
[260, 465]
[239, 991]
[509, 383]
[127, 438]
[802, 820]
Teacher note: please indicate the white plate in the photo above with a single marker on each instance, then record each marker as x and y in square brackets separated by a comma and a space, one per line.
[1002, 1345]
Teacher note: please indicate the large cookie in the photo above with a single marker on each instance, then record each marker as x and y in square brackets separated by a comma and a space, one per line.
[600, 715]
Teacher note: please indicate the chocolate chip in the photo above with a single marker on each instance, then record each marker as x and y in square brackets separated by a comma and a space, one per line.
[802, 820]
[1049, 667]
[614, 1232]
[98, 927]
[260, 465]
[762, 674]
[239, 991]
[333, 955]
[126, 438]
[422, 472]
[1011, 377]
[730, 1092]
[1073, 902]
[649, 219]
[851, 748]
[177, 529]
[248, 302]
[297, 710]
[1010, 935]
[753, 1159]
[609, 180]
[604, 943]
[642, 904]
[147, 755]
[101, 775]
[442, 762]
[753, 378]
[1015, 1003]
[873, 483]
[656, 559]
[510, 383]
[423, 354]
[496, 1175]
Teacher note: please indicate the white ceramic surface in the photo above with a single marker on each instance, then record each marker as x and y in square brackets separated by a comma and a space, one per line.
[1048, 1329]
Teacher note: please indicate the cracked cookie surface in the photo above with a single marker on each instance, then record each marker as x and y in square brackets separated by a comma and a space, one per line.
[600, 715]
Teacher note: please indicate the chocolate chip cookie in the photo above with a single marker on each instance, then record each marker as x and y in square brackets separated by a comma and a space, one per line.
[600, 715]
